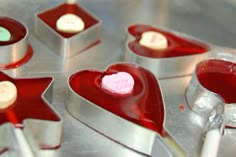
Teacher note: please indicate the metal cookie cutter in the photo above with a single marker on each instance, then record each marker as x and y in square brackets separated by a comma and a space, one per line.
[15, 51]
[168, 66]
[63, 44]
[218, 111]
[133, 136]
[30, 124]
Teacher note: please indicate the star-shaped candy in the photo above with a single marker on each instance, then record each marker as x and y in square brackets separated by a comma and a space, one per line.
[29, 102]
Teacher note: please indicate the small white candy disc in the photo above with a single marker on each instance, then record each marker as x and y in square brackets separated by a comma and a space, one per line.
[153, 40]
[8, 94]
[70, 23]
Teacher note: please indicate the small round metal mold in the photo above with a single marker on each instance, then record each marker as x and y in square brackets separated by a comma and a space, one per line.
[15, 51]
[201, 100]
[165, 67]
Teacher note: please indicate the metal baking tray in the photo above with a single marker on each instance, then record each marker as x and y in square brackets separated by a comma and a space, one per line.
[194, 18]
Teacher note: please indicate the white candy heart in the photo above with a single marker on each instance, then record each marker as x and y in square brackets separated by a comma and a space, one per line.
[8, 94]
[70, 23]
[153, 40]
[119, 83]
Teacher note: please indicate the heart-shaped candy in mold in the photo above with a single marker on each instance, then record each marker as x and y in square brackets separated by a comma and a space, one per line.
[143, 105]
[176, 45]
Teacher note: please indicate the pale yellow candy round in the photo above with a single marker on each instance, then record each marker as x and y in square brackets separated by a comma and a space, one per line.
[154, 40]
[70, 23]
[71, 1]
[8, 94]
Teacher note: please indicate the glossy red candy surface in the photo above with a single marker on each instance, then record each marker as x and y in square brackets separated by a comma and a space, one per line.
[29, 103]
[219, 76]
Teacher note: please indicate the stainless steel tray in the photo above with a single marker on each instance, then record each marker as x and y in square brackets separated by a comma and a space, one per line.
[207, 20]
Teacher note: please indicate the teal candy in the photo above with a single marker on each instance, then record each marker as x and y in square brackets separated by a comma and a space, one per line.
[5, 35]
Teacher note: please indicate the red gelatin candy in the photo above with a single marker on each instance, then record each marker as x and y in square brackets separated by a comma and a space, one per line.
[144, 106]
[219, 76]
[177, 46]
[29, 103]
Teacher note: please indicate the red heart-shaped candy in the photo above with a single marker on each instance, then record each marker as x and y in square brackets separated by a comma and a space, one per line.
[143, 106]
[177, 45]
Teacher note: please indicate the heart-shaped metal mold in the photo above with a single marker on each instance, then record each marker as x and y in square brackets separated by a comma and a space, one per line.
[140, 114]
[179, 58]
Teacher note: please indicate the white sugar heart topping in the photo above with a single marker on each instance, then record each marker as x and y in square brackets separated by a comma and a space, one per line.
[153, 40]
[70, 23]
[119, 83]
[8, 94]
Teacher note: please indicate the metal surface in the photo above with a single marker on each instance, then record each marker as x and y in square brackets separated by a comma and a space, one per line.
[209, 20]
[201, 100]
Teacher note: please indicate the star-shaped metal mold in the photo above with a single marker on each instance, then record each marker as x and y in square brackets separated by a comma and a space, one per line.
[32, 113]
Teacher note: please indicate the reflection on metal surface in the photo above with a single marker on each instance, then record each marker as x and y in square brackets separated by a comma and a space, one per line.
[201, 100]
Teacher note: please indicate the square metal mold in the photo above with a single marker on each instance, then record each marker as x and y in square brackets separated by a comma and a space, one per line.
[68, 45]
